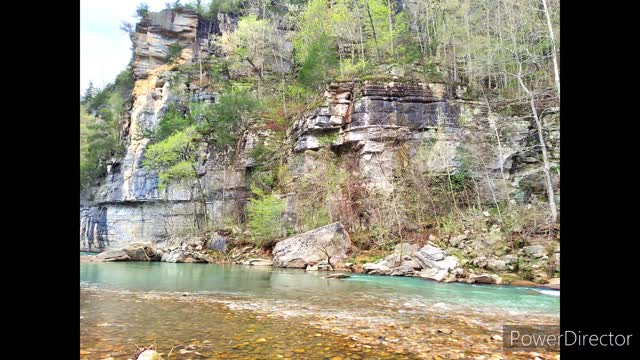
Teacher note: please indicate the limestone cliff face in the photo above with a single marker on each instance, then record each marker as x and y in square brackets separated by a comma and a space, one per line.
[374, 125]
[374, 122]
[128, 205]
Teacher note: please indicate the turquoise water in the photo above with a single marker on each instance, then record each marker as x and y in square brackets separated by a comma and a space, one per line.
[243, 312]
[296, 290]
[84, 253]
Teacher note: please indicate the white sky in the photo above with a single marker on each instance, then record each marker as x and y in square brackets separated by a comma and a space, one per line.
[105, 50]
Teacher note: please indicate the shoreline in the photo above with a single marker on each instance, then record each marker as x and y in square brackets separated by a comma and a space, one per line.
[517, 283]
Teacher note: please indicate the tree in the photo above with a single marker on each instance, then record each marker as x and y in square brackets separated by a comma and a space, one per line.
[142, 10]
[257, 45]
[264, 213]
[88, 93]
[176, 159]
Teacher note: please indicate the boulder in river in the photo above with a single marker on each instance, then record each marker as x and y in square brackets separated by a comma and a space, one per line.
[330, 241]
[431, 257]
[433, 274]
[140, 252]
[113, 255]
[485, 279]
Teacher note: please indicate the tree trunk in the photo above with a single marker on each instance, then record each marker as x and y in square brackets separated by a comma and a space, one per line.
[556, 72]
[545, 157]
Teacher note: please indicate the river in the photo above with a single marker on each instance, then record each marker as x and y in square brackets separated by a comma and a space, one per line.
[207, 311]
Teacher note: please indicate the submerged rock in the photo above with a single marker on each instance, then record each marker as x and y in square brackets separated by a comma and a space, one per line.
[149, 355]
[313, 247]
[337, 276]
[258, 262]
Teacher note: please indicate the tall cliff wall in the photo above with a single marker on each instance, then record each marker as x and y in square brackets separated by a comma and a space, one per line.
[369, 126]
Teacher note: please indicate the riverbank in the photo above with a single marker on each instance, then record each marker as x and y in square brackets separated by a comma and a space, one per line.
[250, 256]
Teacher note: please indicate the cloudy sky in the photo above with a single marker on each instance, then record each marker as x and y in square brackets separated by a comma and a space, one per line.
[105, 50]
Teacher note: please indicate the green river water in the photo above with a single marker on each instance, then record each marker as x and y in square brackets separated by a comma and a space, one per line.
[207, 311]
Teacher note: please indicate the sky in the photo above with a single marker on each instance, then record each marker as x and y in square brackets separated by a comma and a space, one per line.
[105, 50]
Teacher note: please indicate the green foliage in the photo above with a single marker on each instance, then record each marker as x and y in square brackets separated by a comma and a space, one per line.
[174, 158]
[319, 64]
[99, 141]
[142, 10]
[174, 120]
[174, 52]
[327, 139]
[224, 6]
[88, 94]
[230, 115]
[265, 216]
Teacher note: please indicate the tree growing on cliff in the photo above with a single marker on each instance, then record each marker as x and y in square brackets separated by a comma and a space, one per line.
[142, 10]
[177, 159]
[264, 213]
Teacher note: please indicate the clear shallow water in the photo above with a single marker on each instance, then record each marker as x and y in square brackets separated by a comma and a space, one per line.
[304, 287]
[242, 312]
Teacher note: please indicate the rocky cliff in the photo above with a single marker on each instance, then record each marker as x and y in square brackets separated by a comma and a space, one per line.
[371, 128]
[128, 206]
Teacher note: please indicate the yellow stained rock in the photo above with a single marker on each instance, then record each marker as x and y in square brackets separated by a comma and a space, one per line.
[299, 351]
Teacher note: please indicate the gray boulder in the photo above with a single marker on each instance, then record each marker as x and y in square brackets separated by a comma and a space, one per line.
[534, 251]
[218, 244]
[485, 279]
[376, 269]
[433, 274]
[313, 247]
[430, 252]
[182, 256]
[140, 252]
[496, 265]
[113, 255]
[405, 249]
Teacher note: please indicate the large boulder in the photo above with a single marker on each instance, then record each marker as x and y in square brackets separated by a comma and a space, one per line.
[405, 249]
[496, 265]
[376, 269]
[113, 255]
[485, 279]
[313, 247]
[218, 244]
[431, 257]
[433, 274]
[140, 252]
